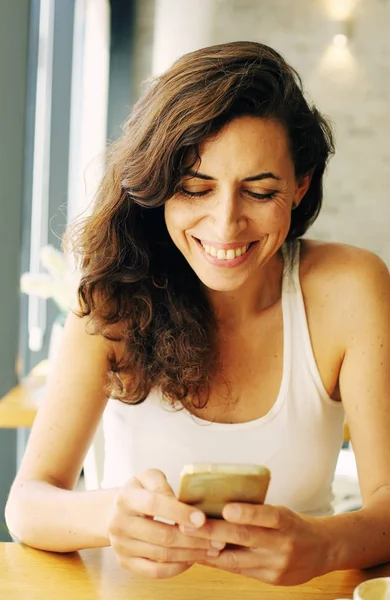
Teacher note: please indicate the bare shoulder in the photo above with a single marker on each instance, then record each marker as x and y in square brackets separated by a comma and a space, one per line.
[346, 289]
[343, 269]
[80, 335]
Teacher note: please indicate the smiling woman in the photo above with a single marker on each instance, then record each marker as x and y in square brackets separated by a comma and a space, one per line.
[224, 130]
[219, 337]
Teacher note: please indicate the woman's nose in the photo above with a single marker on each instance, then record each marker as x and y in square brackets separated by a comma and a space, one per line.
[229, 218]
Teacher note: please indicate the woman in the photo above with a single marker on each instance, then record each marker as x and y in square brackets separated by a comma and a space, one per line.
[220, 337]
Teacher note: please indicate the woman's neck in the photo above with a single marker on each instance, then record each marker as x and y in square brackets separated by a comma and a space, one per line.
[240, 306]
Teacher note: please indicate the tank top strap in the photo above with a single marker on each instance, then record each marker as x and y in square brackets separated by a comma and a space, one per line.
[291, 252]
[292, 298]
[288, 265]
[294, 305]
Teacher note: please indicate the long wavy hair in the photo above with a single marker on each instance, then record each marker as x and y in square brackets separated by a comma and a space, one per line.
[136, 286]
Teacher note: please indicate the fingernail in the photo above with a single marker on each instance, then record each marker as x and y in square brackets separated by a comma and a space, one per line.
[197, 519]
[232, 511]
[219, 545]
[186, 529]
[212, 553]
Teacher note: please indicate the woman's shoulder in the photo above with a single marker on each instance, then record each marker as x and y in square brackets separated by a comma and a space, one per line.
[326, 258]
[347, 272]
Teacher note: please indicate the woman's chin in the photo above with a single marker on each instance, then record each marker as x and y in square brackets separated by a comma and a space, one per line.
[220, 283]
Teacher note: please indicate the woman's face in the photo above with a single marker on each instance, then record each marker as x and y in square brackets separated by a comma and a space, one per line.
[233, 211]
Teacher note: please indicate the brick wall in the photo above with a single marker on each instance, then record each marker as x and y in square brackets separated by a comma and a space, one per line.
[354, 91]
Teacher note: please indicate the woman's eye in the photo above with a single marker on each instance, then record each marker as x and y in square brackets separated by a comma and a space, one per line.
[192, 194]
[200, 193]
[268, 196]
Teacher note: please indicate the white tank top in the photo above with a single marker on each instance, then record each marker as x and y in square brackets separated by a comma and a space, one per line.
[299, 439]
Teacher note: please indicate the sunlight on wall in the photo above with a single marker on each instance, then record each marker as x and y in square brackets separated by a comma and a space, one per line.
[180, 26]
[41, 167]
[89, 103]
[339, 61]
[340, 10]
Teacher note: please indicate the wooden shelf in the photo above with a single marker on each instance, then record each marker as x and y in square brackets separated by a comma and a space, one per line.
[19, 407]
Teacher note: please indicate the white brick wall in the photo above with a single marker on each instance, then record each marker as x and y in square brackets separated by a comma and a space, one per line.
[355, 96]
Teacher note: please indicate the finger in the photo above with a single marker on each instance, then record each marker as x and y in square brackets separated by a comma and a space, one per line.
[136, 499]
[161, 534]
[155, 481]
[261, 568]
[260, 515]
[237, 560]
[153, 570]
[134, 548]
[230, 533]
[238, 535]
[261, 574]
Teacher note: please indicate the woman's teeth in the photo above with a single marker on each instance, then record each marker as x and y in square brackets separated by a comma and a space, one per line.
[225, 254]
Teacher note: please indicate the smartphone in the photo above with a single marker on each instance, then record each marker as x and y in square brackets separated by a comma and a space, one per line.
[210, 486]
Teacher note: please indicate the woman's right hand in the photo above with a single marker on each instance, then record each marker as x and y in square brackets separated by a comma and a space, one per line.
[150, 548]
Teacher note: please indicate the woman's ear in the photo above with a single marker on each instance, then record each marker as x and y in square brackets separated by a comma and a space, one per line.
[302, 186]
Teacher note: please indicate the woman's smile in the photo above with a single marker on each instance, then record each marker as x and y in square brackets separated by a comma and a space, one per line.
[225, 255]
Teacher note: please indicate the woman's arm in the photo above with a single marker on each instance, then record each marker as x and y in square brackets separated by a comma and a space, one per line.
[44, 516]
[362, 538]
[42, 509]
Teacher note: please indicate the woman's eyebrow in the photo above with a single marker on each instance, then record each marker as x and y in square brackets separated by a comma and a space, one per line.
[198, 175]
[258, 177]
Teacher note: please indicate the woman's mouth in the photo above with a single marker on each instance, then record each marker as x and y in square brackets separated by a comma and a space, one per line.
[225, 257]
[223, 254]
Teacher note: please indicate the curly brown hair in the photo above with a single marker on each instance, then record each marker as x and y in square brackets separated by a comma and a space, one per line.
[136, 286]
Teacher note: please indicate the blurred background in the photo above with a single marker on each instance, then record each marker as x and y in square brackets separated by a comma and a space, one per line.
[70, 71]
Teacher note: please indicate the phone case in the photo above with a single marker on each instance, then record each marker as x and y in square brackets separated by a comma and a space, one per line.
[210, 486]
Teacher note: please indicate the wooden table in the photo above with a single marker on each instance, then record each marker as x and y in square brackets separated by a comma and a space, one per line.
[27, 574]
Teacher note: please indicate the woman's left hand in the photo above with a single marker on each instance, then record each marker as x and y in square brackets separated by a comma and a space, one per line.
[276, 545]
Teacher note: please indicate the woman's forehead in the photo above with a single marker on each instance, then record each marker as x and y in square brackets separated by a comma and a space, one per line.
[249, 143]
